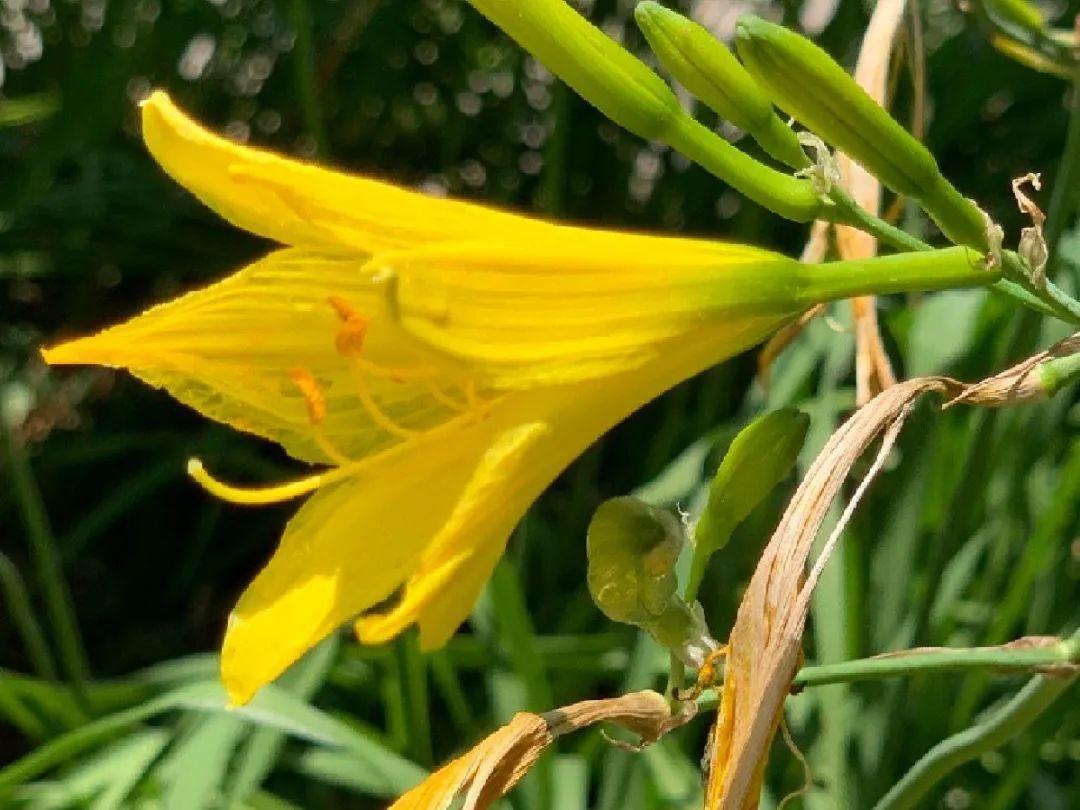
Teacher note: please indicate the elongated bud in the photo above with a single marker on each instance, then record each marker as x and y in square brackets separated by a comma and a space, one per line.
[626, 90]
[805, 82]
[705, 67]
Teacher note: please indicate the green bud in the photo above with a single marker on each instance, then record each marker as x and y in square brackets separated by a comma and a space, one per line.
[760, 457]
[806, 83]
[633, 548]
[608, 76]
[624, 88]
[705, 67]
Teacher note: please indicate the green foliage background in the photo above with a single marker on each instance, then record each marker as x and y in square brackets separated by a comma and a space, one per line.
[967, 539]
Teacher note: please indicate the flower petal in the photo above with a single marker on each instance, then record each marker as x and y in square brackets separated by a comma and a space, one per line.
[587, 305]
[347, 549]
[460, 559]
[301, 204]
[234, 350]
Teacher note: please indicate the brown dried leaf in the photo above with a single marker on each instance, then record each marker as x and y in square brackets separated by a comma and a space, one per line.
[497, 763]
[1018, 385]
[766, 641]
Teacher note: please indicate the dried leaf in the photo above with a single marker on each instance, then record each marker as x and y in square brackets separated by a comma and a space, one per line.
[497, 763]
[1021, 384]
[766, 641]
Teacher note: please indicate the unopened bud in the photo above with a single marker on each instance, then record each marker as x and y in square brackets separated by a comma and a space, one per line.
[626, 90]
[705, 67]
[805, 82]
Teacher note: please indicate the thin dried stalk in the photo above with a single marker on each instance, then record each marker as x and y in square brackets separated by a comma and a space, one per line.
[873, 371]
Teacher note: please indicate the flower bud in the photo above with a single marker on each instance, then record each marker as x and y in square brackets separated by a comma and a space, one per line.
[624, 88]
[705, 67]
[806, 83]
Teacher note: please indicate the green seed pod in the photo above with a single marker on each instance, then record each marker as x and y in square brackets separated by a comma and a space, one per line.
[807, 84]
[626, 90]
[705, 67]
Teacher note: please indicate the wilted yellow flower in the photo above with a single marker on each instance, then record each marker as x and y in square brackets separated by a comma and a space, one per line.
[440, 361]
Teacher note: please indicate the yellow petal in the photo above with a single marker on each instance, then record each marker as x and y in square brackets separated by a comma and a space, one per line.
[348, 548]
[298, 203]
[245, 350]
[587, 305]
[463, 554]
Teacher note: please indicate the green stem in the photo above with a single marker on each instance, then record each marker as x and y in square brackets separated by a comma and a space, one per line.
[26, 623]
[47, 563]
[1000, 727]
[304, 73]
[1005, 659]
[933, 661]
[1065, 181]
[848, 212]
[897, 272]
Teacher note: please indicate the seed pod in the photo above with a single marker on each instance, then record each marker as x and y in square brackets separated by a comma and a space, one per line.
[806, 83]
[705, 67]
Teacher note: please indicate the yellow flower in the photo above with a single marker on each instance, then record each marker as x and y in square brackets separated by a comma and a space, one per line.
[440, 361]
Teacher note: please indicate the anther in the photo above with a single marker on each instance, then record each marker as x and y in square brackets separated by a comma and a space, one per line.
[354, 327]
[316, 407]
[312, 393]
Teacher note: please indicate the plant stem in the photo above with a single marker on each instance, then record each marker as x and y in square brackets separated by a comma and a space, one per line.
[304, 73]
[931, 661]
[47, 563]
[26, 623]
[1000, 727]
[1065, 181]
[1006, 659]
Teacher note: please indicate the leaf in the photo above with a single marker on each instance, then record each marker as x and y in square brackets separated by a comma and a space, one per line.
[497, 763]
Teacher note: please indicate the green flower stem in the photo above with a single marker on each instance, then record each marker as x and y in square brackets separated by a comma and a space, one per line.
[848, 212]
[790, 197]
[935, 661]
[1005, 659]
[47, 562]
[897, 272]
[26, 623]
[1009, 721]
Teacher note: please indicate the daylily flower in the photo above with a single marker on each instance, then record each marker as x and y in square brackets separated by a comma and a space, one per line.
[441, 362]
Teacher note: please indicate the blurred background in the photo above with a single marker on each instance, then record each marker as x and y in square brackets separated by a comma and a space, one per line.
[118, 573]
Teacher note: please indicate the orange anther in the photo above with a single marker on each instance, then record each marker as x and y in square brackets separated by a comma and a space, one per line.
[354, 326]
[312, 393]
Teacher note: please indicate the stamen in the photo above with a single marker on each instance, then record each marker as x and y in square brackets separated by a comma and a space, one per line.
[377, 414]
[253, 496]
[316, 405]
